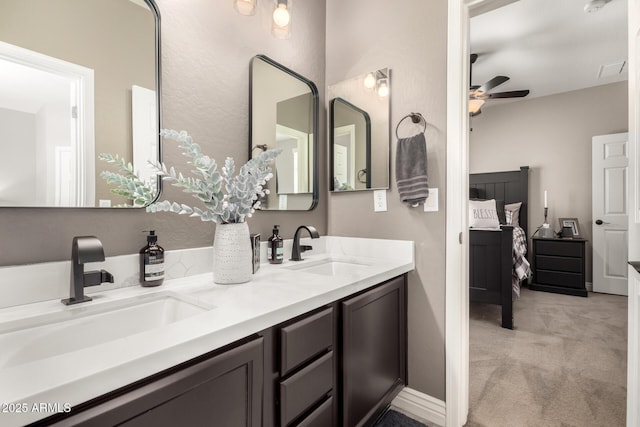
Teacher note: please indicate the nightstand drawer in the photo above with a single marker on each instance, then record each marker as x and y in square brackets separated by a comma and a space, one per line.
[558, 247]
[570, 265]
[569, 280]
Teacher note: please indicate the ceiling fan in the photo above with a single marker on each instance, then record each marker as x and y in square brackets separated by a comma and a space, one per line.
[479, 94]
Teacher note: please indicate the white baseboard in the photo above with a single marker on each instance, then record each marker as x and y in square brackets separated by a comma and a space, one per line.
[421, 405]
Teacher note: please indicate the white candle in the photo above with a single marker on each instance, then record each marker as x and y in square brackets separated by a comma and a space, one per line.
[545, 198]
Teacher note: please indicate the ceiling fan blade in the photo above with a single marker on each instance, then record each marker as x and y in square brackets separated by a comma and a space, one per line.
[494, 82]
[511, 94]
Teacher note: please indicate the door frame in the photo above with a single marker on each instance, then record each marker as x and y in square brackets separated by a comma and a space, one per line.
[457, 164]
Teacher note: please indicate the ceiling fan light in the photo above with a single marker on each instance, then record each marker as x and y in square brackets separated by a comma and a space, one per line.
[475, 105]
[594, 6]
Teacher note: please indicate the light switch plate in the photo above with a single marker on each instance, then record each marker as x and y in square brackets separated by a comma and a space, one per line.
[431, 204]
[380, 200]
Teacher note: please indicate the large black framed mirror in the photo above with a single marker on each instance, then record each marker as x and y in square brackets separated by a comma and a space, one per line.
[78, 78]
[359, 141]
[283, 112]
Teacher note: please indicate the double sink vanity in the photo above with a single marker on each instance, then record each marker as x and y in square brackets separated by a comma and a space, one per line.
[312, 343]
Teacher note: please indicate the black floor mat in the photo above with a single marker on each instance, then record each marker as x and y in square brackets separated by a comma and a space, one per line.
[396, 419]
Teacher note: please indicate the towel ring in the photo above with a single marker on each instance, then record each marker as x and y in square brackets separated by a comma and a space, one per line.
[415, 118]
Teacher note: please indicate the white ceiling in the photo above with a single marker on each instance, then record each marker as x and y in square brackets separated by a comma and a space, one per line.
[549, 46]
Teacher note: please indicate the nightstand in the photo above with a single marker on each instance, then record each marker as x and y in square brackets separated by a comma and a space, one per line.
[559, 266]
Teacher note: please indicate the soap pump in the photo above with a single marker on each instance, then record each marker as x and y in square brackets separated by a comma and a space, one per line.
[275, 247]
[152, 262]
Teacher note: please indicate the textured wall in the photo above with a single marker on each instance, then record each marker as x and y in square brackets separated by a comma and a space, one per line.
[552, 135]
[410, 38]
[207, 47]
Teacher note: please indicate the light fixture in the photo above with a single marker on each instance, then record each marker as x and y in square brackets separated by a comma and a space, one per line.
[245, 7]
[594, 6]
[475, 105]
[383, 87]
[369, 81]
[281, 26]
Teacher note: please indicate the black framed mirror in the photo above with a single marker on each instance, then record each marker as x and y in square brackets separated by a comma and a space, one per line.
[359, 141]
[283, 112]
[349, 146]
[73, 88]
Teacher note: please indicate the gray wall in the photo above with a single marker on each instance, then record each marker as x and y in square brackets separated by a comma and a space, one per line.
[552, 135]
[207, 47]
[409, 37]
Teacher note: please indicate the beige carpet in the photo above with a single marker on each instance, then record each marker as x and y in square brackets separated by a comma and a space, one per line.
[564, 364]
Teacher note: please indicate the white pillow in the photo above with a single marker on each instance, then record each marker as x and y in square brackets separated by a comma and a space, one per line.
[514, 208]
[483, 214]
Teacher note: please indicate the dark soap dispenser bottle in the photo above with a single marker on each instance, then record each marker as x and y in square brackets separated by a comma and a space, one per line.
[275, 247]
[152, 262]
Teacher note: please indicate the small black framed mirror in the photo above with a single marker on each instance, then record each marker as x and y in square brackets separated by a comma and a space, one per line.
[359, 132]
[349, 146]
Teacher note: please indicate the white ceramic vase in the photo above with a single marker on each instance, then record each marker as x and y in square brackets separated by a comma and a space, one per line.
[232, 254]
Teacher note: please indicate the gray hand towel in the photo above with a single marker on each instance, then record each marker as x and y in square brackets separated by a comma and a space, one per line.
[411, 169]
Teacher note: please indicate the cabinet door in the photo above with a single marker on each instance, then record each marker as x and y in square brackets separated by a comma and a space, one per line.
[374, 343]
[225, 390]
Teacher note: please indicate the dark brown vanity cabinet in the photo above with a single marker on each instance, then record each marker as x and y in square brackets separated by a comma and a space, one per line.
[338, 365]
[224, 389]
[301, 357]
[374, 346]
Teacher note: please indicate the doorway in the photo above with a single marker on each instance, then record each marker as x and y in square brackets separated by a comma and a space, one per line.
[457, 355]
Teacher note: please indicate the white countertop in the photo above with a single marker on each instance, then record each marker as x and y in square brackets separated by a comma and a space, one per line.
[275, 295]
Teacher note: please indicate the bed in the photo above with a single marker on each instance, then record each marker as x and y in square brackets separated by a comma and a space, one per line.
[491, 256]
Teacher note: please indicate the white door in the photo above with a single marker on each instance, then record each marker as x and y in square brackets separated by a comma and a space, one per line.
[610, 160]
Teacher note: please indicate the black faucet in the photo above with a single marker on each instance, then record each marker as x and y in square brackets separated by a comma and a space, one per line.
[297, 248]
[85, 249]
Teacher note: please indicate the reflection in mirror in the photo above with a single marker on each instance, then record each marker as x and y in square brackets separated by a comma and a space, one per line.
[350, 143]
[284, 113]
[359, 132]
[73, 88]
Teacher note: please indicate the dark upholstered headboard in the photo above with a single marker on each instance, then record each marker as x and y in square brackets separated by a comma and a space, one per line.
[512, 187]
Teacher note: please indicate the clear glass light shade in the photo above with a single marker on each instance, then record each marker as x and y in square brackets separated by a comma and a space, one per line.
[383, 88]
[281, 26]
[369, 81]
[245, 7]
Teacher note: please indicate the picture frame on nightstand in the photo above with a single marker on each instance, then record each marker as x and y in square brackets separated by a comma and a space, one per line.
[573, 223]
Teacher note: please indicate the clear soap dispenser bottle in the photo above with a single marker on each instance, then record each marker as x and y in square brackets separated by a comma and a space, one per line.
[275, 247]
[152, 262]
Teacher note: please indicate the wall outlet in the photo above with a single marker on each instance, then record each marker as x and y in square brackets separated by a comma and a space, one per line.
[380, 200]
[431, 204]
[104, 203]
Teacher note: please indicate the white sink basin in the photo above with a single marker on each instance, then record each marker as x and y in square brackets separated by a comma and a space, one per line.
[331, 267]
[79, 327]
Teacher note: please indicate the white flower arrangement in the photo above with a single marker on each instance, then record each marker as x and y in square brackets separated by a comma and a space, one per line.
[227, 198]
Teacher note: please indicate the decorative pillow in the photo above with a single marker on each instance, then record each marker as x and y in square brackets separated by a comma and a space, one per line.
[483, 214]
[508, 216]
[499, 209]
[514, 208]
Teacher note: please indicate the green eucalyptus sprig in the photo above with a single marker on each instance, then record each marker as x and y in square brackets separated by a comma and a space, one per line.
[227, 198]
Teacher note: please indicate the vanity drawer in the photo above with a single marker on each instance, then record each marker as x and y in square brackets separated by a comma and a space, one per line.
[305, 339]
[322, 416]
[299, 392]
